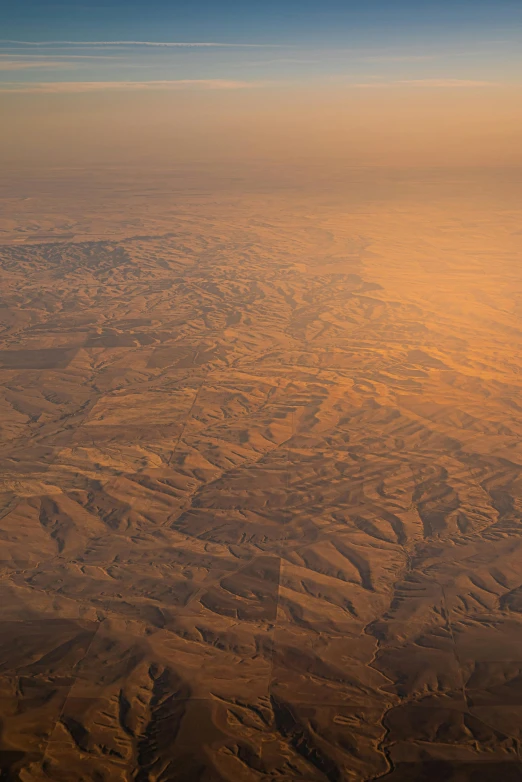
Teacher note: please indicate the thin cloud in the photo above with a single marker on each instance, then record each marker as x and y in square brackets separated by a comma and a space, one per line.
[164, 44]
[20, 65]
[54, 56]
[280, 61]
[450, 83]
[95, 86]
[436, 83]
[398, 57]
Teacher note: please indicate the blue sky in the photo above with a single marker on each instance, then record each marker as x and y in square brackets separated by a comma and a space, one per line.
[275, 40]
[282, 21]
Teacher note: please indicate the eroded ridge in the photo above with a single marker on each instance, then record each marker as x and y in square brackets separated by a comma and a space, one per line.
[261, 502]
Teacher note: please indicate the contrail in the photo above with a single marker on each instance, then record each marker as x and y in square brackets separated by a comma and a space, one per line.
[166, 44]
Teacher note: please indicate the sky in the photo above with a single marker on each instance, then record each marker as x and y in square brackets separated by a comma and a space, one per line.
[425, 68]
[280, 21]
[275, 40]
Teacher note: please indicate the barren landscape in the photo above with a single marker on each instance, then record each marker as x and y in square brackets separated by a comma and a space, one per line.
[261, 489]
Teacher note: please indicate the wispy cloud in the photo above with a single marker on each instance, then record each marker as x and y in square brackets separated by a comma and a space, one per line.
[398, 57]
[281, 61]
[435, 83]
[54, 56]
[95, 86]
[450, 83]
[21, 65]
[163, 44]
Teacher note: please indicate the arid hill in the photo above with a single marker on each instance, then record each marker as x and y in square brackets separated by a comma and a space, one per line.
[261, 493]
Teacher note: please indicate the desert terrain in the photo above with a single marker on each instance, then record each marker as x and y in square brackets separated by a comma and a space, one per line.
[260, 483]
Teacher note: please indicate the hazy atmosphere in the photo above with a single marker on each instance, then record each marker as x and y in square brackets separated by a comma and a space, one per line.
[260, 375]
[291, 81]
